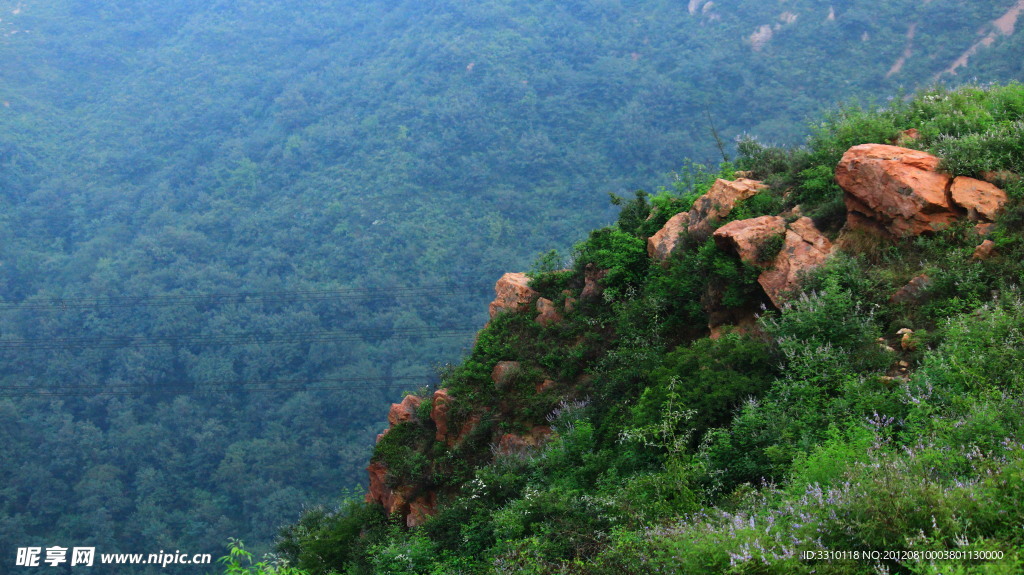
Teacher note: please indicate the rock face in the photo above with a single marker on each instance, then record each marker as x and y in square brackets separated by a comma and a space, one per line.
[900, 192]
[746, 237]
[804, 249]
[512, 293]
[699, 222]
[439, 413]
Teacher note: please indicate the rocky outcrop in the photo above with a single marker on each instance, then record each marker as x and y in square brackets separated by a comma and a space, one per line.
[665, 240]
[513, 444]
[901, 192]
[701, 220]
[503, 373]
[748, 237]
[592, 277]
[982, 200]
[399, 501]
[404, 411]
[421, 509]
[548, 313]
[984, 251]
[914, 290]
[439, 413]
[715, 205]
[512, 293]
[804, 248]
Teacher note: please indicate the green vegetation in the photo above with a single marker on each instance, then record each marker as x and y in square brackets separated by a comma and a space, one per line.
[673, 452]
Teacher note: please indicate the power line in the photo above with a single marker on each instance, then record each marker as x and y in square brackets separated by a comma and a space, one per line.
[264, 386]
[251, 338]
[297, 296]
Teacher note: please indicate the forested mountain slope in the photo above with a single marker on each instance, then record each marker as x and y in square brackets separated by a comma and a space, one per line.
[202, 197]
[809, 365]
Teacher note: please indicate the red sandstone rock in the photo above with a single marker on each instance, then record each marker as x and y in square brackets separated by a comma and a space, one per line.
[913, 291]
[591, 282]
[439, 413]
[379, 491]
[544, 385]
[512, 293]
[746, 237]
[421, 509]
[548, 314]
[713, 206]
[982, 200]
[661, 244]
[511, 443]
[503, 372]
[804, 249]
[402, 412]
[984, 251]
[898, 188]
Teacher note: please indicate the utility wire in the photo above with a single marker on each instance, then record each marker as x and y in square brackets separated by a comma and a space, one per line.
[233, 339]
[372, 293]
[333, 384]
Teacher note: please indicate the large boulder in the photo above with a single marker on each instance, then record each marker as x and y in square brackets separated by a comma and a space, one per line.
[982, 200]
[512, 293]
[901, 192]
[897, 190]
[503, 373]
[715, 205]
[805, 248]
[664, 241]
[404, 411]
[747, 237]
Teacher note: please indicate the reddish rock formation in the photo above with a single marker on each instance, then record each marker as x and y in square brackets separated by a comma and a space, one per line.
[511, 443]
[512, 293]
[379, 491]
[439, 413]
[591, 282]
[713, 206]
[913, 291]
[503, 372]
[548, 313]
[544, 385]
[984, 251]
[897, 189]
[661, 244]
[421, 509]
[707, 211]
[401, 412]
[982, 200]
[746, 237]
[804, 249]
